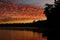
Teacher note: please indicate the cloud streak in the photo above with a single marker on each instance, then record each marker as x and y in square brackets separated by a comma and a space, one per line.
[41, 2]
[20, 13]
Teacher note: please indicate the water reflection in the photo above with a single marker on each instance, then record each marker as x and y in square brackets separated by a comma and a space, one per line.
[20, 35]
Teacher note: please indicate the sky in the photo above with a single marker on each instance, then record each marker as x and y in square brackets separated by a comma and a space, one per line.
[27, 17]
[40, 2]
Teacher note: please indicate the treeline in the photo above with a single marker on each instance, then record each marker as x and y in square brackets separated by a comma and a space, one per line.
[34, 24]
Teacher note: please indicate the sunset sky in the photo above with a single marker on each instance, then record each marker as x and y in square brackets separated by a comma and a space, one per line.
[40, 2]
[29, 13]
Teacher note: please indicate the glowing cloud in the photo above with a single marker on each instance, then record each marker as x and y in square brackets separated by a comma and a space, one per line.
[12, 13]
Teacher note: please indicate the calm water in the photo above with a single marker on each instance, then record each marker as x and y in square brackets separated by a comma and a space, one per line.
[20, 35]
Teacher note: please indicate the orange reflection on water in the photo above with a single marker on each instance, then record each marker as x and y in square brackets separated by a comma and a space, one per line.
[20, 35]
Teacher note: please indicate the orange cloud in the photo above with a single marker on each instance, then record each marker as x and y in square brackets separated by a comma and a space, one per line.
[21, 14]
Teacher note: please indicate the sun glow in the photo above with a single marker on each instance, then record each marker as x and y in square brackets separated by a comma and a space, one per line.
[13, 13]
